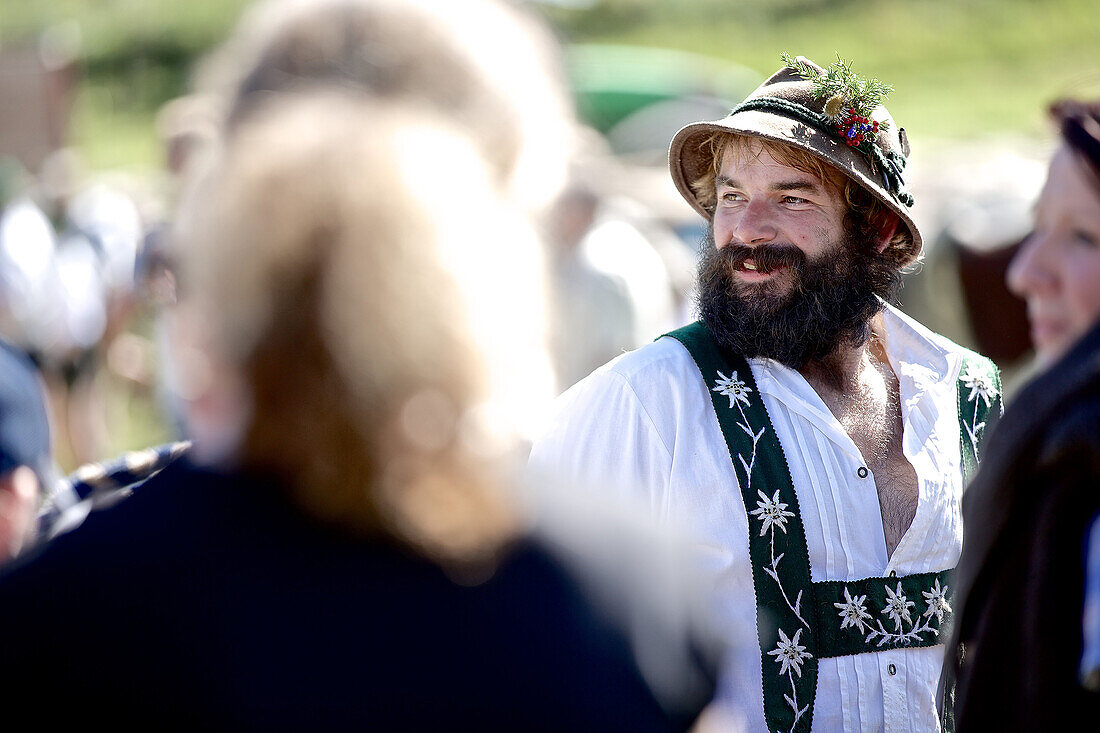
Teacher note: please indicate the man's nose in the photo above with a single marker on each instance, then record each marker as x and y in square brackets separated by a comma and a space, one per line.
[756, 224]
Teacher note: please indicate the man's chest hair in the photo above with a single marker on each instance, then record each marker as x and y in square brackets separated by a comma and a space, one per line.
[871, 417]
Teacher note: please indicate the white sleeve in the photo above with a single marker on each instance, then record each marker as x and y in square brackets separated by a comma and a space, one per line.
[602, 438]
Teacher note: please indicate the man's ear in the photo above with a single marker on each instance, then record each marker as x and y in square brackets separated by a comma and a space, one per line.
[18, 506]
[886, 229]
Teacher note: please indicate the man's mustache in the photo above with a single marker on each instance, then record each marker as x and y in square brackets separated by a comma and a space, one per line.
[766, 257]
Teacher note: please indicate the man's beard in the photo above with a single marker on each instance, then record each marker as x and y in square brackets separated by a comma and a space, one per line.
[828, 301]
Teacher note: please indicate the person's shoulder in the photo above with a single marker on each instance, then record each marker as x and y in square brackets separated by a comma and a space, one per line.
[182, 498]
[94, 487]
[918, 332]
[660, 359]
[124, 473]
[653, 378]
[631, 406]
[1073, 430]
[161, 512]
[978, 369]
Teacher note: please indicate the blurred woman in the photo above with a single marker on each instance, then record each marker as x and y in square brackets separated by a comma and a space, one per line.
[1058, 269]
[360, 346]
[348, 555]
[1020, 582]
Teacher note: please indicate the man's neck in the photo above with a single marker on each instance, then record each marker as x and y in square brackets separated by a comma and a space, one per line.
[844, 372]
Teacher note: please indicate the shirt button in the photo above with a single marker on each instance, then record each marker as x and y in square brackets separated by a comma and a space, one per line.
[892, 669]
[862, 472]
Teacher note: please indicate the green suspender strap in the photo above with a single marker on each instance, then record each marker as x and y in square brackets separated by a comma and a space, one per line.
[800, 621]
[979, 399]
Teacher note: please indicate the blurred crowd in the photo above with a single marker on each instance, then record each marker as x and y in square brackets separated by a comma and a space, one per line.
[69, 264]
[381, 247]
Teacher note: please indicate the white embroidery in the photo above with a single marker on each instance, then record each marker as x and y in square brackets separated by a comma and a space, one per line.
[937, 602]
[732, 387]
[789, 653]
[897, 608]
[853, 612]
[981, 387]
[771, 512]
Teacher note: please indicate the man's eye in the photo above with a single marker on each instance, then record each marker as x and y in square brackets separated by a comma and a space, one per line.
[793, 200]
[730, 196]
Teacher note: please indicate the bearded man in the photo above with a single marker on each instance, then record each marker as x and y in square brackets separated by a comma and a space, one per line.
[811, 438]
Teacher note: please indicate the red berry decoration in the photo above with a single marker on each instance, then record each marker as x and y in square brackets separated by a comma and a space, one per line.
[854, 128]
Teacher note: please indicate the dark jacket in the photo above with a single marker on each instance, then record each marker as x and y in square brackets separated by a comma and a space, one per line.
[1020, 580]
[205, 601]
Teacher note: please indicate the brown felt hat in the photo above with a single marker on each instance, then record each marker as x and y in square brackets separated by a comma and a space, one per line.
[784, 109]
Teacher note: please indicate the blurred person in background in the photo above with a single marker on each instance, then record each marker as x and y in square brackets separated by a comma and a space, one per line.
[99, 229]
[611, 287]
[1018, 639]
[616, 245]
[67, 253]
[25, 457]
[810, 438]
[64, 300]
[593, 316]
[508, 96]
[360, 349]
[347, 554]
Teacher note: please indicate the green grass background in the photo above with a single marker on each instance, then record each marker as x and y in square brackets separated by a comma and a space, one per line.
[961, 68]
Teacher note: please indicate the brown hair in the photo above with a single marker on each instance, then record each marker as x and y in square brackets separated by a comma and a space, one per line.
[337, 301]
[865, 211]
[1079, 124]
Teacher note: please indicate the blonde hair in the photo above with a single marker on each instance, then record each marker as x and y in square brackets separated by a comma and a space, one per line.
[865, 211]
[354, 284]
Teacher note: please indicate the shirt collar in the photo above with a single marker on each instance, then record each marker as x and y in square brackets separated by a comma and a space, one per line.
[917, 355]
[921, 359]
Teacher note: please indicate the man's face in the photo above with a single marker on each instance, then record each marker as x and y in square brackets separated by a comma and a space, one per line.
[782, 276]
[762, 203]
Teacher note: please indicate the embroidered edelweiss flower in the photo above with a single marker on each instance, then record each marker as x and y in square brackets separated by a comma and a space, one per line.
[897, 607]
[771, 511]
[789, 653]
[733, 388]
[853, 612]
[981, 385]
[937, 601]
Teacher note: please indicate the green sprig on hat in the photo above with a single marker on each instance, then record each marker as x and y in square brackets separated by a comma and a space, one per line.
[842, 88]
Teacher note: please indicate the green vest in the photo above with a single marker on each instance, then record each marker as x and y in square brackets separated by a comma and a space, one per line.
[800, 621]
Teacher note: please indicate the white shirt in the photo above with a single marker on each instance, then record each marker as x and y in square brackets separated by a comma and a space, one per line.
[644, 425]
